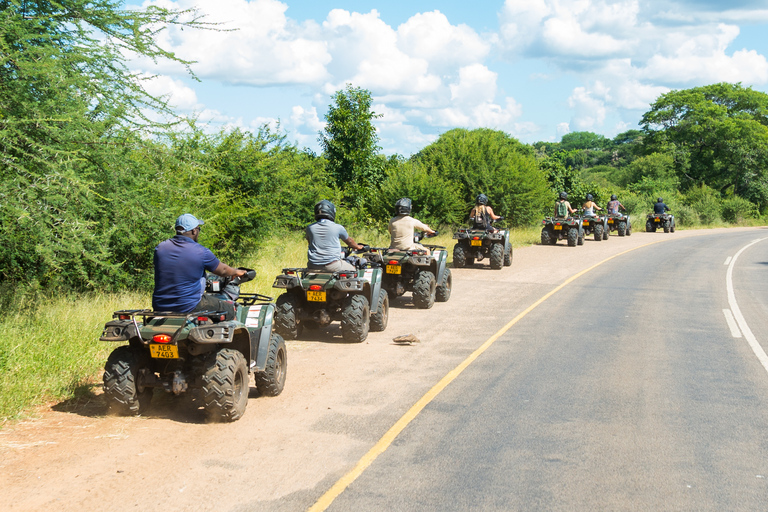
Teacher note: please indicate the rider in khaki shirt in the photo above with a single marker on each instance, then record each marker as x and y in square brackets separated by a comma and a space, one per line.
[402, 226]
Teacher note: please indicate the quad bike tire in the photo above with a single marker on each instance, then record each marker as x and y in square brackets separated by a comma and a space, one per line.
[271, 381]
[573, 237]
[547, 237]
[225, 386]
[508, 254]
[666, 227]
[649, 227]
[443, 291]
[606, 232]
[287, 322]
[459, 256]
[622, 228]
[672, 228]
[124, 394]
[355, 318]
[598, 232]
[380, 318]
[424, 289]
[496, 256]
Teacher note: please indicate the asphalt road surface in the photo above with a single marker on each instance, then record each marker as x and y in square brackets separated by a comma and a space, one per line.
[636, 383]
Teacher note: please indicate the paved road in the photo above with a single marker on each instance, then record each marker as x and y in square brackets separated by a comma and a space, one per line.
[625, 391]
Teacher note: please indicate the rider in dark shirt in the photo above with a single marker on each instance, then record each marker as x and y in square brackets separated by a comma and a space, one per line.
[180, 266]
[660, 208]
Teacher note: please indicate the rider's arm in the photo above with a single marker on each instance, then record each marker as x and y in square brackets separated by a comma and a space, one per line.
[491, 214]
[225, 270]
[351, 243]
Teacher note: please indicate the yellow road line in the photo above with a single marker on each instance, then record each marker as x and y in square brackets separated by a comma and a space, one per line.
[381, 446]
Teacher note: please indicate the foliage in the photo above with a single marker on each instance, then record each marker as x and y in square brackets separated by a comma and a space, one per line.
[583, 140]
[493, 163]
[736, 210]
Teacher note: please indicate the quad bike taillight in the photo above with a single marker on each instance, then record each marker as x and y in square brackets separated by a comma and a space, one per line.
[393, 262]
[475, 238]
[161, 338]
[315, 287]
[124, 317]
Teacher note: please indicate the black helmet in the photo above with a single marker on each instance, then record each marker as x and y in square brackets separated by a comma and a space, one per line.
[563, 195]
[482, 199]
[403, 206]
[659, 200]
[614, 198]
[589, 197]
[325, 210]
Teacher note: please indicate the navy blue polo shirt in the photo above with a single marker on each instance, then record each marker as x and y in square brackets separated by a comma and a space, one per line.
[180, 265]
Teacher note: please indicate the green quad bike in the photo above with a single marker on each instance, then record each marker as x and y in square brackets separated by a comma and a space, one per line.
[620, 223]
[666, 221]
[427, 276]
[196, 351]
[476, 244]
[597, 226]
[569, 228]
[315, 298]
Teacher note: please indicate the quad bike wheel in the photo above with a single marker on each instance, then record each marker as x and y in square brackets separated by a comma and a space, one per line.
[672, 228]
[573, 237]
[547, 237]
[598, 232]
[355, 318]
[508, 254]
[443, 291]
[622, 228]
[666, 226]
[271, 381]
[497, 256]
[380, 318]
[649, 227]
[124, 393]
[606, 232]
[287, 322]
[424, 289]
[225, 385]
[580, 240]
[459, 256]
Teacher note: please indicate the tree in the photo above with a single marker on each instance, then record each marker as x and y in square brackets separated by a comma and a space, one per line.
[583, 140]
[349, 143]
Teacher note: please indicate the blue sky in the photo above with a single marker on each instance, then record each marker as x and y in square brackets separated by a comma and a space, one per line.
[536, 69]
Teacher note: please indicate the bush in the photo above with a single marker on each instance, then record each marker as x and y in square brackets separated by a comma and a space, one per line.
[736, 210]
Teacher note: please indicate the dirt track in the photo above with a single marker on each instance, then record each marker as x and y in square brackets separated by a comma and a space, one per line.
[286, 451]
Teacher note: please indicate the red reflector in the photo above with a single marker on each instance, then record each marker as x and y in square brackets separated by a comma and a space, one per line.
[124, 317]
[393, 262]
[315, 287]
[557, 224]
[202, 319]
[161, 338]
[475, 238]
[290, 272]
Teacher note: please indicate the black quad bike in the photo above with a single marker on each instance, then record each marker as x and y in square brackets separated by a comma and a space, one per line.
[196, 351]
[315, 298]
[570, 229]
[477, 244]
[424, 273]
[620, 223]
[596, 225]
[665, 221]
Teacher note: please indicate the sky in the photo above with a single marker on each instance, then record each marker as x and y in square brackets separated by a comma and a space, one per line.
[535, 69]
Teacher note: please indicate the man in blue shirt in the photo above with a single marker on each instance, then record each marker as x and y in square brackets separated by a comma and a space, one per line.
[659, 207]
[180, 266]
[324, 248]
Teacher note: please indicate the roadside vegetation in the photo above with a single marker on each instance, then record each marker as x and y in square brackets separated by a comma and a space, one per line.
[95, 170]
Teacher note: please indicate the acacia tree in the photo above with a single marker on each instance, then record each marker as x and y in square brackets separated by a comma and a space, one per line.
[350, 143]
[69, 109]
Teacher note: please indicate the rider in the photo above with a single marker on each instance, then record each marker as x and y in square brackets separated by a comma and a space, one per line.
[659, 208]
[482, 214]
[563, 207]
[323, 246]
[590, 206]
[614, 205]
[180, 265]
[402, 226]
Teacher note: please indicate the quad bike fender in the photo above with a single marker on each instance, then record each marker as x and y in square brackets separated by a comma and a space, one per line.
[121, 330]
[373, 277]
[260, 338]
[440, 263]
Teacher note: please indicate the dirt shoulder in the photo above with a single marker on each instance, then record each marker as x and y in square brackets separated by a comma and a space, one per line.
[286, 451]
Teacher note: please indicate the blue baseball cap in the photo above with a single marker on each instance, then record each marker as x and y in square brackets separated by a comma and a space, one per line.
[187, 222]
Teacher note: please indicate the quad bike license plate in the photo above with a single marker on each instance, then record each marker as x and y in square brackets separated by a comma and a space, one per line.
[558, 228]
[163, 351]
[476, 242]
[610, 221]
[316, 296]
[394, 269]
[657, 220]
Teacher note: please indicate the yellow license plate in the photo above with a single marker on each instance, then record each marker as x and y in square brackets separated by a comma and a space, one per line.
[558, 228]
[656, 220]
[585, 223]
[610, 221]
[316, 296]
[394, 269]
[163, 351]
[476, 242]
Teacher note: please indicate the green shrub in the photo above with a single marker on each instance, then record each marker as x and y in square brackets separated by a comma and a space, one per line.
[736, 210]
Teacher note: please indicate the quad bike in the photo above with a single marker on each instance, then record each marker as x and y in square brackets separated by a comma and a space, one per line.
[315, 298]
[424, 273]
[476, 244]
[569, 228]
[620, 222]
[596, 225]
[660, 220]
[196, 351]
